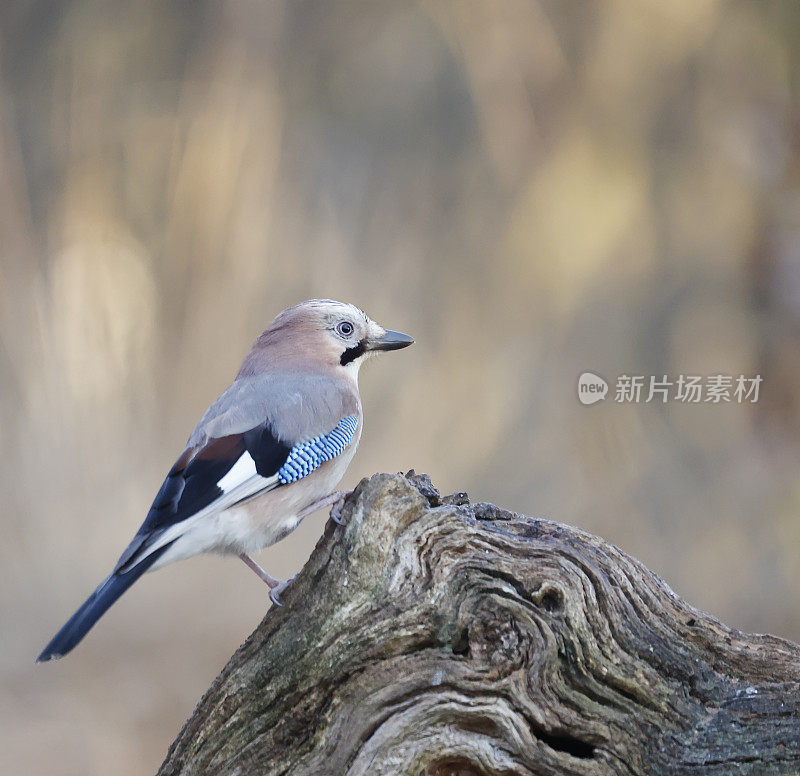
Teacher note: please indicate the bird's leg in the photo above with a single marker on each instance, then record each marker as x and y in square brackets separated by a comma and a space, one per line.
[336, 498]
[276, 586]
[271, 582]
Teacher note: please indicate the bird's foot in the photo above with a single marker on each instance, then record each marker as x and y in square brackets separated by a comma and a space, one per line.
[278, 589]
[336, 509]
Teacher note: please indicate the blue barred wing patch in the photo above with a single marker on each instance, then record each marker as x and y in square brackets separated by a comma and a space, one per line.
[306, 457]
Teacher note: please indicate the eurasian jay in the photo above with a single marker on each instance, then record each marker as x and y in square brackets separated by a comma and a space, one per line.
[267, 452]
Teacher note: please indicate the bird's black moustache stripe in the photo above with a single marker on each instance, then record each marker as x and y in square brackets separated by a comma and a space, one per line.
[351, 354]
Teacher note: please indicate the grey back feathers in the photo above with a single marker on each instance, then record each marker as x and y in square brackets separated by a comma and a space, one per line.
[297, 406]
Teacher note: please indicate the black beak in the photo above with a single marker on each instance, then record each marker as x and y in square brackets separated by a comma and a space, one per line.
[391, 340]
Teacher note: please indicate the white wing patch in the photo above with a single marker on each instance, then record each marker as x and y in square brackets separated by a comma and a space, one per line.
[240, 483]
[240, 472]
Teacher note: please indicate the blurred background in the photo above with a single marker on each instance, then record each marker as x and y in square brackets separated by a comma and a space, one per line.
[533, 189]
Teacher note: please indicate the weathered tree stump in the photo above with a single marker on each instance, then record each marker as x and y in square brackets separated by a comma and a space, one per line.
[430, 636]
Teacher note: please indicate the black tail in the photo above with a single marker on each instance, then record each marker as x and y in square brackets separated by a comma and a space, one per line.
[95, 607]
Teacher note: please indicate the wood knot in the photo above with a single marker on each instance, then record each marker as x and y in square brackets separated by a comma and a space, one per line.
[496, 640]
[549, 597]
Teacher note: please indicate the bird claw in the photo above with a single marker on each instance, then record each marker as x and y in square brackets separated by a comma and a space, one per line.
[336, 509]
[278, 589]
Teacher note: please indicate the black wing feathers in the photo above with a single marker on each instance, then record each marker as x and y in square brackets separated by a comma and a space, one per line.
[268, 453]
[191, 484]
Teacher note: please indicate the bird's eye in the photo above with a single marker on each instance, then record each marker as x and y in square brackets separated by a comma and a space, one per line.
[345, 328]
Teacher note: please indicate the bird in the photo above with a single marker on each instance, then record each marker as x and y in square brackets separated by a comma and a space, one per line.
[268, 452]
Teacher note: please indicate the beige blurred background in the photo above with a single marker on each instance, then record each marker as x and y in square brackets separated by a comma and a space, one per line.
[532, 189]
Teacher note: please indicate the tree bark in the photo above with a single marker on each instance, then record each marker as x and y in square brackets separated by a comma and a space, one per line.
[432, 636]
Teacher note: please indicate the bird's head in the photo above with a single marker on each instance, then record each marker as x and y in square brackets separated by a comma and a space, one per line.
[328, 333]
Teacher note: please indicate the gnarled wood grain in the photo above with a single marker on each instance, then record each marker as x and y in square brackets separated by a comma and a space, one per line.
[430, 636]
